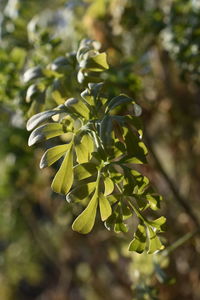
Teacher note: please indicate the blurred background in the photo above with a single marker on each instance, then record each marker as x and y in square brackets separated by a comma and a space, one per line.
[153, 50]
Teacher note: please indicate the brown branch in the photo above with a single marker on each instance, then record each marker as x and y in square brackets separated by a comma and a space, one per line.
[178, 197]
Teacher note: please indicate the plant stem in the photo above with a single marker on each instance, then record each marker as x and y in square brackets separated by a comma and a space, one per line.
[179, 198]
[179, 242]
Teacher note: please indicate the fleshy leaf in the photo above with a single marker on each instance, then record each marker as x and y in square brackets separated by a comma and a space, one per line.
[138, 244]
[106, 129]
[109, 186]
[37, 119]
[96, 63]
[85, 170]
[46, 131]
[32, 73]
[64, 178]
[105, 208]
[77, 106]
[52, 155]
[35, 92]
[120, 227]
[86, 95]
[159, 224]
[81, 192]
[85, 221]
[84, 149]
[154, 242]
[118, 101]
[154, 201]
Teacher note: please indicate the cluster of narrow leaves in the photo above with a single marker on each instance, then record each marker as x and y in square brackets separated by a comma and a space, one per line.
[98, 150]
[61, 77]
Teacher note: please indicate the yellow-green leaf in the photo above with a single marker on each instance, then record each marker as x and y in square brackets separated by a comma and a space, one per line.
[81, 192]
[154, 242]
[139, 242]
[96, 63]
[37, 119]
[85, 221]
[52, 155]
[84, 149]
[85, 170]
[105, 208]
[64, 178]
[109, 186]
[77, 106]
[45, 132]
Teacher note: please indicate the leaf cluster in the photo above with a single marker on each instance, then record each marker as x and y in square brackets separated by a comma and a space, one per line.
[98, 150]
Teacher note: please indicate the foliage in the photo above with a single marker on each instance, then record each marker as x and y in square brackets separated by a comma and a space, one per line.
[100, 147]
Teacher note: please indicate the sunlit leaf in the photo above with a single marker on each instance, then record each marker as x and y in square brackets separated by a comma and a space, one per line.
[84, 149]
[120, 227]
[96, 63]
[105, 208]
[138, 244]
[39, 118]
[34, 92]
[52, 155]
[109, 186]
[154, 201]
[159, 224]
[64, 178]
[32, 73]
[77, 106]
[85, 170]
[86, 95]
[154, 242]
[85, 221]
[45, 132]
[81, 192]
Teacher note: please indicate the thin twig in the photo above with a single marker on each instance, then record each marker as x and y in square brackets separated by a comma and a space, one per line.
[182, 240]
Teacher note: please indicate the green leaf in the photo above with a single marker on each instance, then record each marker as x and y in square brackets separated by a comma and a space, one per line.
[159, 224]
[64, 178]
[86, 95]
[52, 155]
[120, 227]
[77, 106]
[109, 186]
[154, 242]
[85, 221]
[95, 88]
[32, 73]
[81, 192]
[85, 170]
[141, 202]
[96, 63]
[84, 149]
[106, 131]
[131, 160]
[141, 182]
[35, 92]
[46, 132]
[136, 150]
[105, 208]
[136, 122]
[61, 64]
[138, 244]
[39, 118]
[118, 101]
[154, 201]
